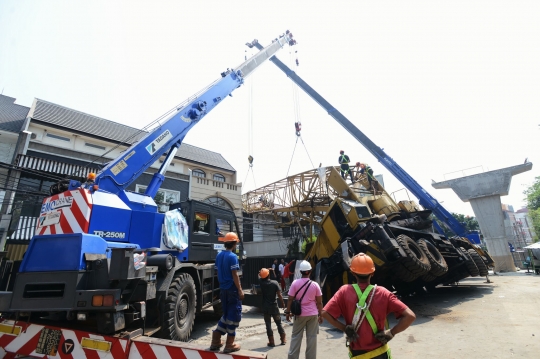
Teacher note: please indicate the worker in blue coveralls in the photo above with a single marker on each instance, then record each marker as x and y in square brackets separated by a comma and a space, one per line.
[231, 295]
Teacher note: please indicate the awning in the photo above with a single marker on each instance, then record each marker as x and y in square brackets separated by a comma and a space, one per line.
[47, 165]
[533, 246]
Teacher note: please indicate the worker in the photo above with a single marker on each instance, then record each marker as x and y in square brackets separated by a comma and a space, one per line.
[275, 273]
[365, 168]
[269, 289]
[287, 274]
[364, 308]
[281, 271]
[309, 294]
[231, 295]
[344, 165]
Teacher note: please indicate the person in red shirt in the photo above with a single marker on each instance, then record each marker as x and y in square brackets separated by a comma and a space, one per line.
[366, 331]
[287, 275]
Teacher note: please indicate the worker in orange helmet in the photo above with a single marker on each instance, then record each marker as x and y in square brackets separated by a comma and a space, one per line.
[365, 308]
[230, 294]
[269, 289]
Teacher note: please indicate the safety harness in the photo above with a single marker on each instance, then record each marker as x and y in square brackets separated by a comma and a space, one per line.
[362, 312]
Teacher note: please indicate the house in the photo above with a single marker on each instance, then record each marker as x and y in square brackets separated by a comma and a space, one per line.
[51, 142]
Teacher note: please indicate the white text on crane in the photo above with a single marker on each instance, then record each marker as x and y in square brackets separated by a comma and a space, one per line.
[159, 142]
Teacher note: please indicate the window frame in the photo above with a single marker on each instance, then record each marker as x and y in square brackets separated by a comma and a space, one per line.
[207, 226]
[57, 137]
[221, 178]
[198, 171]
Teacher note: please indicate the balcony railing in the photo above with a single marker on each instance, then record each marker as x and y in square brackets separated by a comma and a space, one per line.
[217, 184]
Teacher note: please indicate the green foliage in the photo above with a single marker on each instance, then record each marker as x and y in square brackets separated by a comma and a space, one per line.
[533, 204]
[159, 198]
[469, 222]
[533, 195]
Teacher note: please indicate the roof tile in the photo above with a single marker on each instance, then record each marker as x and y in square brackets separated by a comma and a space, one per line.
[79, 121]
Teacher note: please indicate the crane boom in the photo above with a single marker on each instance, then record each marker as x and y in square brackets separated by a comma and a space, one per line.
[169, 134]
[426, 200]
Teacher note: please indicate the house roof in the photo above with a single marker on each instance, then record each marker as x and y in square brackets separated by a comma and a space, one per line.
[12, 116]
[74, 120]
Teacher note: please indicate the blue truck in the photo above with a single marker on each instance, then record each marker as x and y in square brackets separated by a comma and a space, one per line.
[102, 257]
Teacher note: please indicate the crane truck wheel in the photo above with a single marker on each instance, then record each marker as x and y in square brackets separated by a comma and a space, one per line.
[428, 277]
[179, 314]
[469, 263]
[482, 269]
[438, 264]
[415, 264]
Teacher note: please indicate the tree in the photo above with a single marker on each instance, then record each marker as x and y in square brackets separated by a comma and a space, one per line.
[469, 222]
[533, 204]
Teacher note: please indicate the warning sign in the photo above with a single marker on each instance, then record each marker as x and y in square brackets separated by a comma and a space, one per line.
[68, 346]
[48, 341]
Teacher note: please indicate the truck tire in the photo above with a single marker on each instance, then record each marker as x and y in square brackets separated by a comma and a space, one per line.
[438, 264]
[469, 263]
[482, 269]
[180, 304]
[428, 277]
[415, 264]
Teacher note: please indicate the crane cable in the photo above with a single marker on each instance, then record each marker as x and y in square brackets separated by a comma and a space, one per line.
[293, 62]
[250, 128]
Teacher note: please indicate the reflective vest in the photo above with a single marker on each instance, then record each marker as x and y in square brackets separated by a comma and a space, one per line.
[344, 160]
[361, 306]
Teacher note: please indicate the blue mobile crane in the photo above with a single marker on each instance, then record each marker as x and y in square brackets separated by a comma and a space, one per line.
[102, 257]
[462, 251]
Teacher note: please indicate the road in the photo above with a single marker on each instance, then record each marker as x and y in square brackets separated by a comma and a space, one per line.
[472, 320]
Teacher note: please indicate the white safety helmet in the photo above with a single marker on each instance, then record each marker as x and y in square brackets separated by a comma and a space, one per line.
[305, 266]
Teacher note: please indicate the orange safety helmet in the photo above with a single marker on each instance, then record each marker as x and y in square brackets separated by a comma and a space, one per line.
[229, 237]
[362, 264]
[264, 273]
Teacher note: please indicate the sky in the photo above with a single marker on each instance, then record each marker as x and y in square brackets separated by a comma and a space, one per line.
[446, 88]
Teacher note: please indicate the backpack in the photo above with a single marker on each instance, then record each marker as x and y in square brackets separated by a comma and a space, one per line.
[296, 305]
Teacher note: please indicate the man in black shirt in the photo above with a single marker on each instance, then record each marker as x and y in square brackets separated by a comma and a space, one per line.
[270, 288]
[344, 165]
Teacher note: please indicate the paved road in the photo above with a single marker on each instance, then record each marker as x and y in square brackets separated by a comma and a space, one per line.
[472, 320]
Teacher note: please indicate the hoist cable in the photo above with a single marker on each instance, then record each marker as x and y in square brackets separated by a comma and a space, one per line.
[307, 151]
[253, 174]
[290, 163]
[247, 173]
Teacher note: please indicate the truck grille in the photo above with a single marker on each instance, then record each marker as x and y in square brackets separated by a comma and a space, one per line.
[50, 290]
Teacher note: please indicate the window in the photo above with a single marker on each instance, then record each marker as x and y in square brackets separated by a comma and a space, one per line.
[223, 226]
[201, 223]
[218, 177]
[67, 139]
[163, 198]
[170, 164]
[95, 146]
[218, 202]
[198, 173]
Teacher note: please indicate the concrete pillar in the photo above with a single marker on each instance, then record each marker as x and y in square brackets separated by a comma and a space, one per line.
[484, 192]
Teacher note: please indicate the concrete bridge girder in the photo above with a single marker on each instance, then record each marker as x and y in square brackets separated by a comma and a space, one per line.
[484, 192]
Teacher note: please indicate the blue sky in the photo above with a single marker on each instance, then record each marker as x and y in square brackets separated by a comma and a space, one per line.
[442, 86]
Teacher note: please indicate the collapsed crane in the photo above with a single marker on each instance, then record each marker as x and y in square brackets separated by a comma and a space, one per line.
[458, 251]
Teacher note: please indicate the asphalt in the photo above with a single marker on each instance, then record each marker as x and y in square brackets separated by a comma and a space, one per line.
[474, 319]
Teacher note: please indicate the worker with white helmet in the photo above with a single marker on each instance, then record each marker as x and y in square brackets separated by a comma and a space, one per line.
[230, 294]
[364, 308]
[305, 296]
